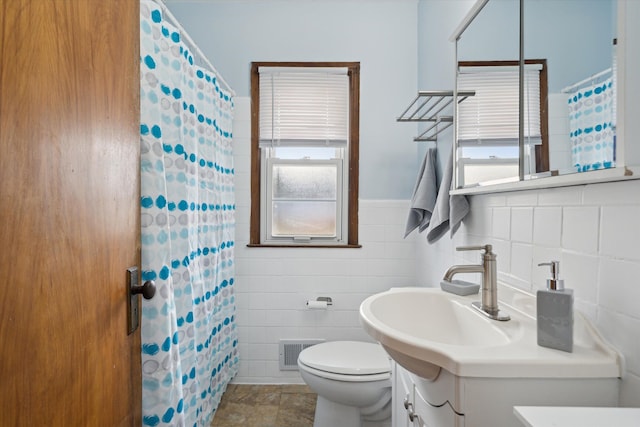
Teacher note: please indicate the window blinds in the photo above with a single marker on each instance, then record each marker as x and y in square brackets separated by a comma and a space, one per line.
[304, 106]
[491, 116]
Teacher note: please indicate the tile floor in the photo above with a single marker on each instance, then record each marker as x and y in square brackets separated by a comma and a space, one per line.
[266, 406]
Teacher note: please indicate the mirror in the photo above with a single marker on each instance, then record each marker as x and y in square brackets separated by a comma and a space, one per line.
[567, 124]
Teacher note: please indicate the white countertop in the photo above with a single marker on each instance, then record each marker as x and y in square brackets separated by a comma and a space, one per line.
[547, 416]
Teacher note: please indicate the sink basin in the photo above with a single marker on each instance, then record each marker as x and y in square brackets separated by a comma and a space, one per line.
[426, 330]
[415, 325]
[438, 318]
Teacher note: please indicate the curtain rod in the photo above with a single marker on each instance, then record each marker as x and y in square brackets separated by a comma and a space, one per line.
[587, 80]
[185, 36]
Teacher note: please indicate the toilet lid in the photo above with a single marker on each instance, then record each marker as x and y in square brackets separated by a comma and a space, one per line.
[347, 358]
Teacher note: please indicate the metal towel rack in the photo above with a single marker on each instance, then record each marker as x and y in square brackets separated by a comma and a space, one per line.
[427, 106]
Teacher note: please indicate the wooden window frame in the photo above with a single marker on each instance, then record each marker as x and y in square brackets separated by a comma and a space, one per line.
[541, 151]
[354, 152]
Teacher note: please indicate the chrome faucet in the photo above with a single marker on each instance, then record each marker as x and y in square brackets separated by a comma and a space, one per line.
[489, 304]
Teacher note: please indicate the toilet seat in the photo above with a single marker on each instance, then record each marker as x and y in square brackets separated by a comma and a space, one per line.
[346, 361]
[343, 377]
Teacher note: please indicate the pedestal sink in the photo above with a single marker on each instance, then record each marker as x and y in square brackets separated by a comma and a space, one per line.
[416, 324]
[432, 316]
[426, 329]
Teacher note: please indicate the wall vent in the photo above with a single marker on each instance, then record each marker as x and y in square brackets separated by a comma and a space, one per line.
[289, 351]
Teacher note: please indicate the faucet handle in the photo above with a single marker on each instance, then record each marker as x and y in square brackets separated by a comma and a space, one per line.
[486, 248]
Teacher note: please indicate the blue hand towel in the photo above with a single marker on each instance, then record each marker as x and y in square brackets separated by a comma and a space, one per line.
[424, 195]
[449, 210]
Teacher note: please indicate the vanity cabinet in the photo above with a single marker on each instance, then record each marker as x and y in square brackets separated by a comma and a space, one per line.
[454, 367]
[453, 401]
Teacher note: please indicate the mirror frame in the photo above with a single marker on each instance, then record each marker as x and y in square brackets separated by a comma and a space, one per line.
[625, 169]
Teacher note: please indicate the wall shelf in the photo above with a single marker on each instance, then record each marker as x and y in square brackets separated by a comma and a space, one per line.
[427, 106]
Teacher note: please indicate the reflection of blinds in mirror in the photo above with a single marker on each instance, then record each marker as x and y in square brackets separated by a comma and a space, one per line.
[491, 117]
[304, 106]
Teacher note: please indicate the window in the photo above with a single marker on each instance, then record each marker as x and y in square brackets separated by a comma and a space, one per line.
[488, 123]
[304, 154]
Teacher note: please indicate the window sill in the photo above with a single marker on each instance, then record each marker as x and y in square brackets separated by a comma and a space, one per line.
[268, 245]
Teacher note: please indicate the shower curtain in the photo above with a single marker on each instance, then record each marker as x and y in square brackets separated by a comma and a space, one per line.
[591, 126]
[189, 336]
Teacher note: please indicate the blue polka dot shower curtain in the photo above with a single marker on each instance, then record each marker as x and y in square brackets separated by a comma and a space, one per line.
[591, 126]
[189, 335]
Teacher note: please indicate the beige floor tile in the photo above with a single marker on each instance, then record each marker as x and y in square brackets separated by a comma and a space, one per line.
[266, 406]
[296, 410]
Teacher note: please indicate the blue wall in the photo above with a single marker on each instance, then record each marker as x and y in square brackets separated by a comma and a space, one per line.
[437, 20]
[403, 46]
[381, 35]
[574, 36]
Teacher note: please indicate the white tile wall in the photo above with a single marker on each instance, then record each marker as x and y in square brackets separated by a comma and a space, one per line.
[616, 240]
[547, 226]
[522, 218]
[273, 284]
[577, 226]
[593, 230]
[501, 223]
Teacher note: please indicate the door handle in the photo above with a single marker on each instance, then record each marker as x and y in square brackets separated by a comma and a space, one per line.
[148, 290]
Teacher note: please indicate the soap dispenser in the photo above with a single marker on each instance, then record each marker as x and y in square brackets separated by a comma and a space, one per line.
[555, 312]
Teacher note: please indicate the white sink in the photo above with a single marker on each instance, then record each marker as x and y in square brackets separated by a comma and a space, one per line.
[426, 329]
[439, 318]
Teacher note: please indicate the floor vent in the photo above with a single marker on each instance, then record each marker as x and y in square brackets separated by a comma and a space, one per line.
[289, 351]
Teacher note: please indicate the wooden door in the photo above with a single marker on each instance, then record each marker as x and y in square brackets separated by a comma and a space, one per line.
[69, 209]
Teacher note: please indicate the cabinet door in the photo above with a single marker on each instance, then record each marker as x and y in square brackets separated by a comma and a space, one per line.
[403, 396]
[435, 416]
[445, 388]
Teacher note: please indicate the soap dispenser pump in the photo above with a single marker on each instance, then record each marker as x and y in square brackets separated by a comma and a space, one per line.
[555, 312]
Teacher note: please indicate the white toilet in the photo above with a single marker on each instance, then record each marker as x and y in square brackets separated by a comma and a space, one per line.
[353, 383]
